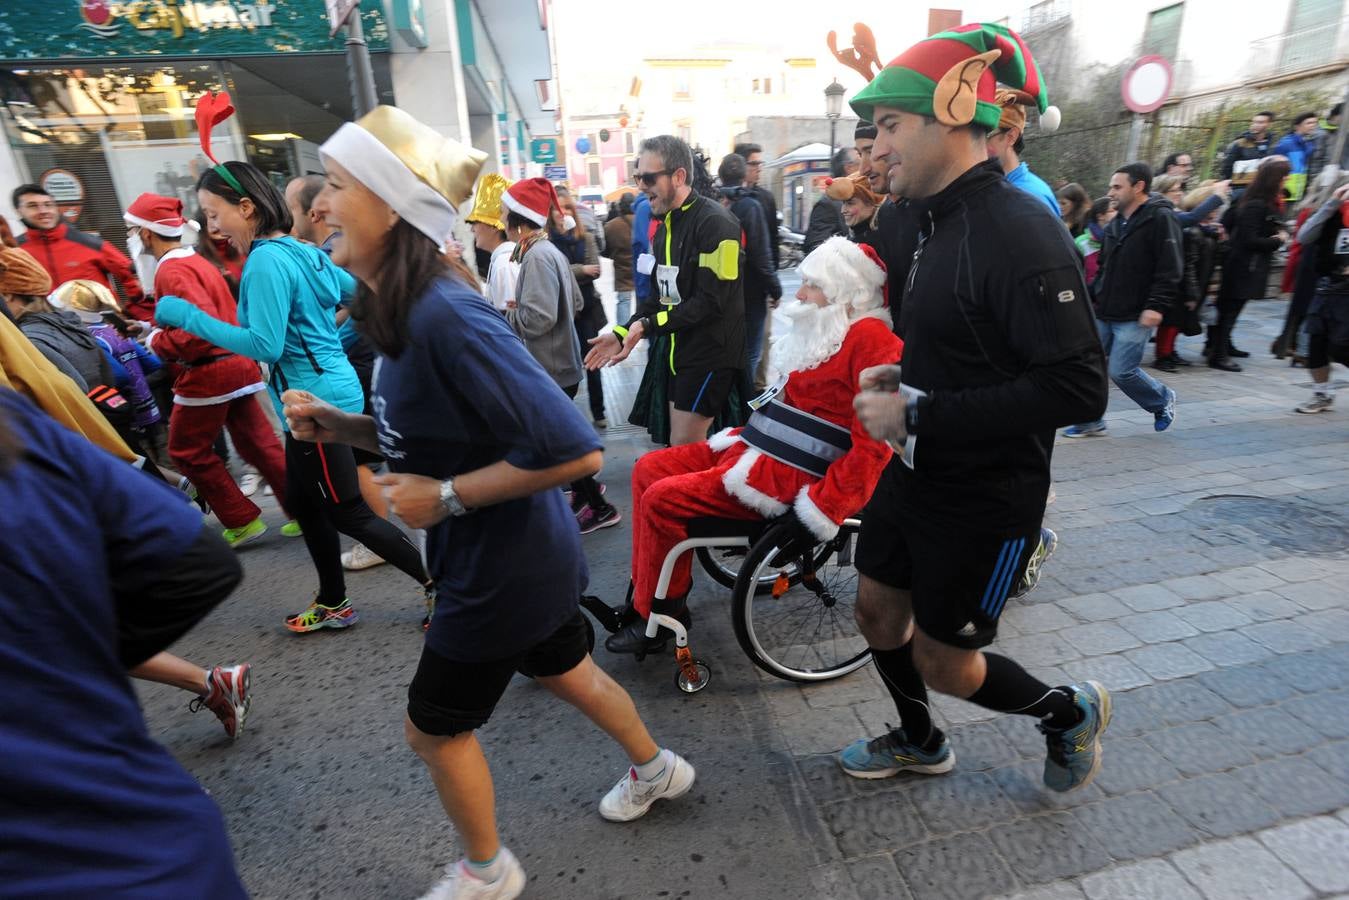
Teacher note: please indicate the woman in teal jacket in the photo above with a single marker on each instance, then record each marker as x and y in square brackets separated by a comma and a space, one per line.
[287, 301]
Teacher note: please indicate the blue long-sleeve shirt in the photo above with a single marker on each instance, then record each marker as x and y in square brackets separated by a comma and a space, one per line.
[1034, 185]
[1200, 212]
[641, 243]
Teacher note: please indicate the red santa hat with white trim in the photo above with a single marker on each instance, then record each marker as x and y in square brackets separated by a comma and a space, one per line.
[162, 215]
[534, 198]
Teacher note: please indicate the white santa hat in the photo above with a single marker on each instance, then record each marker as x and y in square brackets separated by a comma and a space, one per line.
[847, 273]
[534, 198]
[162, 215]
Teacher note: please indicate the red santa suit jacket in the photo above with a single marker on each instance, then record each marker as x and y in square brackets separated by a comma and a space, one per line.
[208, 374]
[769, 486]
[68, 253]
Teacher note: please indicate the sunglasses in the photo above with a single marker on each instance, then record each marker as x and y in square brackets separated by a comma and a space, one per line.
[649, 178]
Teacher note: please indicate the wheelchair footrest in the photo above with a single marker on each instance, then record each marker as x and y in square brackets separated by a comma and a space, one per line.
[611, 618]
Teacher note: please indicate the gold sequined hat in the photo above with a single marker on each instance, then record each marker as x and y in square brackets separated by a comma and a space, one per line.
[422, 174]
[487, 201]
[84, 295]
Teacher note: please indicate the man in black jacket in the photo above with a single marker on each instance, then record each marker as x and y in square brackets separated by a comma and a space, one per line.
[753, 155]
[1244, 154]
[999, 350]
[826, 216]
[761, 286]
[1137, 282]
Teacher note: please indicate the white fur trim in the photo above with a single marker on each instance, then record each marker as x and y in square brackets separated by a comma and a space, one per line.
[736, 481]
[378, 168]
[813, 517]
[516, 206]
[723, 440]
[163, 229]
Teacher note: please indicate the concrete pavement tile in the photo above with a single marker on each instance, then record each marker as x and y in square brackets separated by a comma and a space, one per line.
[1269, 732]
[1094, 607]
[1184, 701]
[1317, 849]
[1247, 686]
[819, 730]
[1134, 713]
[1040, 650]
[832, 882]
[858, 687]
[956, 867]
[1152, 879]
[1167, 661]
[1316, 594]
[1249, 578]
[1135, 826]
[1312, 672]
[1228, 648]
[1147, 597]
[1285, 636]
[1157, 627]
[784, 698]
[1332, 623]
[960, 712]
[1239, 869]
[1052, 675]
[1047, 848]
[1035, 619]
[1295, 786]
[1099, 638]
[873, 823]
[1333, 757]
[1114, 671]
[1219, 805]
[1327, 712]
[1023, 784]
[1198, 587]
[1021, 735]
[1199, 748]
[1064, 890]
[1293, 569]
[981, 746]
[825, 779]
[1213, 615]
[1265, 606]
[876, 878]
[959, 801]
[1128, 764]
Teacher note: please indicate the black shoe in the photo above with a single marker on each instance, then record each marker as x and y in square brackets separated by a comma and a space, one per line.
[632, 637]
[1223, 363]
[1239, 354]
[1165, 364]
[1180, 360]
[1278, 349]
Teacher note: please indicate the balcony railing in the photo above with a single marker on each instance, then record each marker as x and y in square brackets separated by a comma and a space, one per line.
[1043, 15]
[1297, 51]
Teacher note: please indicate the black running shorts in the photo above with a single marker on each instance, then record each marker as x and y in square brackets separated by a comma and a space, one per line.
[959, 575]
[448, 697]
[702, 393]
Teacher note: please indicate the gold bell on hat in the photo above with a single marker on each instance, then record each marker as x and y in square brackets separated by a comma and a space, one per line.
[85, 296]
[487, 201]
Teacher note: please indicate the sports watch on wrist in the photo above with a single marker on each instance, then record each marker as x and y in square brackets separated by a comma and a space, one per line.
[450, 500]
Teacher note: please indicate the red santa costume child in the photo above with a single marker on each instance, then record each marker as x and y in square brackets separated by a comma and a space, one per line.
[803, 451]
[214, 388]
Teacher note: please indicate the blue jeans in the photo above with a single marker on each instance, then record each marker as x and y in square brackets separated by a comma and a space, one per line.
[622, 307]
[754, 327]
[1124, 343]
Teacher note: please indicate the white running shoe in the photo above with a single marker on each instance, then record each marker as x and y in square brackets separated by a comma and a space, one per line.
[460, 883]
[631, 798]
[248, 483]
[361, 557]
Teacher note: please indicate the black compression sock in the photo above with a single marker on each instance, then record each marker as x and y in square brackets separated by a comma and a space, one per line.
[906, 687]
[1011, 689]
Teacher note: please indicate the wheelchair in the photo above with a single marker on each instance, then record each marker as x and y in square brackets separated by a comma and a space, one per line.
[792, 615]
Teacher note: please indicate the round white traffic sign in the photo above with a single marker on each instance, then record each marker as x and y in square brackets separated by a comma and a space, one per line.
[1146, 84]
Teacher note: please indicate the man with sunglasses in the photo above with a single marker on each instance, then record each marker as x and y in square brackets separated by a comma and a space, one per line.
[697, 297]
[68, 253]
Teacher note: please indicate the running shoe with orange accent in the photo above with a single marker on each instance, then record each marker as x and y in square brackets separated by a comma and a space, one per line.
[319, 616]
[227, 696]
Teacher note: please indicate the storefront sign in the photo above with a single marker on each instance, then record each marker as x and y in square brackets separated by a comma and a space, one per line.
[66, 189]
[543, 150]
[64, 29]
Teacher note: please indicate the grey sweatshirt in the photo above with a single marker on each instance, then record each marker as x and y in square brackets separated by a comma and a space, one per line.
[547, 298]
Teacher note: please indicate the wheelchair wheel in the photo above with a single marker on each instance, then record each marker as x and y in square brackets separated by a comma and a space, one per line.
[724, 564]
[801, 629]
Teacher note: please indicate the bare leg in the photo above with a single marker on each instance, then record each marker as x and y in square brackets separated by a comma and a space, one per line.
[884, 614]
[605, 703]
[687, 427]
[949, 670]
[464, 783]
[165, 668]
[1321, 375]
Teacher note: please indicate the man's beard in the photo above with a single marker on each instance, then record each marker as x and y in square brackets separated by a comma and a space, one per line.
[816, 334]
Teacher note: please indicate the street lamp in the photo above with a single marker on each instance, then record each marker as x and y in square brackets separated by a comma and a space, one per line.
[833, 108]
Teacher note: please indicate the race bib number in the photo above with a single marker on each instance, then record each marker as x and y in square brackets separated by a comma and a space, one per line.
[768, 395]
[667, 278]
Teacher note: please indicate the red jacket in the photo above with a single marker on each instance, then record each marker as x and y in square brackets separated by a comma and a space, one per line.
[68, 253]
[209, 374]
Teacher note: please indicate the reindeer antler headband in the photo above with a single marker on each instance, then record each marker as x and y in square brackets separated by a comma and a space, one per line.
[861, 57]
[212, 109]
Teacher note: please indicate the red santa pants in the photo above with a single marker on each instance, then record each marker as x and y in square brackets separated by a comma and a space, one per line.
[670, 487]
[193, 430]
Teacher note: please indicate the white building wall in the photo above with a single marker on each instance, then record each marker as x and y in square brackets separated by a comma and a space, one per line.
[429, 83]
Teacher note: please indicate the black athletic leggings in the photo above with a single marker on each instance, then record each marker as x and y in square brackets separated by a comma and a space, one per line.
[324, 495]
[588, 489]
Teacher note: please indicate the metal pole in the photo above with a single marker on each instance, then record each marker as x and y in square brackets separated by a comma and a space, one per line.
[359, 70]
[1135, 138]
[833, 124]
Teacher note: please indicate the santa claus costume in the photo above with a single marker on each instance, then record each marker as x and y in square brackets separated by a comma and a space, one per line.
[214, 388]
[803, 451]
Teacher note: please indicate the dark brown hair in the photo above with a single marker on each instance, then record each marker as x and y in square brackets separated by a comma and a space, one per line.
[410, 261]
[272, 213]
[1265, 186]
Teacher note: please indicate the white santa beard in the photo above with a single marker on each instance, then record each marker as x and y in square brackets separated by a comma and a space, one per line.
[816, 334]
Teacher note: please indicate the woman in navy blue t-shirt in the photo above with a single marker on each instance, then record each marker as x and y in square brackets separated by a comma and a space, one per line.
[479, 439]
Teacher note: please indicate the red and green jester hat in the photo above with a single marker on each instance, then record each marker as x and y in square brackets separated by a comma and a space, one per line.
[952, 76]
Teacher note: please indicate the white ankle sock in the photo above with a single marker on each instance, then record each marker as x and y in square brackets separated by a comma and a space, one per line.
[651, 770]
[487, 872]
